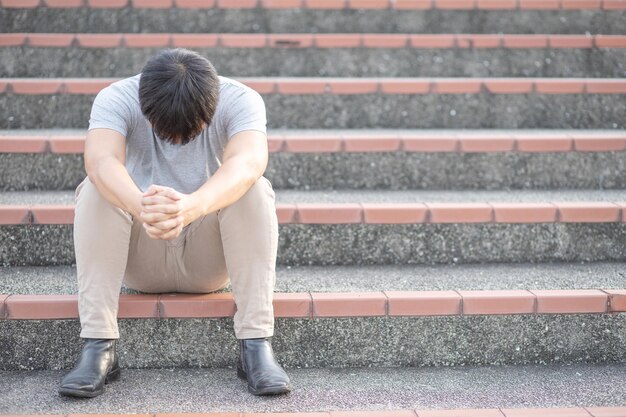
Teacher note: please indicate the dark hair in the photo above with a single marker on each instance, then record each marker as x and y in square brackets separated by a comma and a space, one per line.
[178, 93]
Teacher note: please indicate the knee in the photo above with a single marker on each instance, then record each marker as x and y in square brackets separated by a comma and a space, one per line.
[260, 197]
[87, 190]
[88, 198]
[260, 192]
[87, 195]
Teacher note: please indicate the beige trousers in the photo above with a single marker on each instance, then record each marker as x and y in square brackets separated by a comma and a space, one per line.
[236, 244]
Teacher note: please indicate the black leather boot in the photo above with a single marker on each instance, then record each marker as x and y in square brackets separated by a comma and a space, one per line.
[97, 365]
[257, 365]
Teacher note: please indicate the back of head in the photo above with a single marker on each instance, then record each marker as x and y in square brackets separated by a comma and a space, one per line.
[178, 94]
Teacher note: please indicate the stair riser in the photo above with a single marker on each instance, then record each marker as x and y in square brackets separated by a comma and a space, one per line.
[361, 62]
[333, 342]
[579, 111]
[387, 170]
[368, 244]
[131, 20]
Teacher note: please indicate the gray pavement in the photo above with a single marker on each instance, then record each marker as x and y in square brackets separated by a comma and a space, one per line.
[502, 276]
[213, 390]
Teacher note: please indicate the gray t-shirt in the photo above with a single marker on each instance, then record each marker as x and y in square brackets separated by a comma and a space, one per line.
[150, 160]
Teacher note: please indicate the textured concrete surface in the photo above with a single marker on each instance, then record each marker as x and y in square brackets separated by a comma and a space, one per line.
[368, 196]
[293, 21]
[41, 171]
[579, 111]
[380, 170]
[81, 132]
[333, 342]
[213, 390]
[504, 276]
[377, 244]
[359, 62]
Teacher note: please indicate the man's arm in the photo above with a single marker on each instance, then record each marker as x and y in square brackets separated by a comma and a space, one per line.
[105, 155]
[244, 161]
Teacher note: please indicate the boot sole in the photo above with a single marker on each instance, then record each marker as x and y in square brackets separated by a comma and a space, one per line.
[282, 389]
[111, 376]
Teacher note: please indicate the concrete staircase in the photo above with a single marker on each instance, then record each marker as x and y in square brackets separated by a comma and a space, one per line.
[451, 192]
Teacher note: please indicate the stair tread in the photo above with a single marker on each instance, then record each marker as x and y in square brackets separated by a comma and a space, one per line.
[297, 279]
[326, 132]
[339, 132]
[329, 389]
[66, 197]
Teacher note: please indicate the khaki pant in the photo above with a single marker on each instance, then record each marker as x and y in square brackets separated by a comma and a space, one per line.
[236, 244]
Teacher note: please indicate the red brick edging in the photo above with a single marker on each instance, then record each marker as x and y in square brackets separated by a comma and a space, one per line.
[350, 304]
[328, 4]
[310, 85]
[578, 141]
[384, 213]
[311, 40]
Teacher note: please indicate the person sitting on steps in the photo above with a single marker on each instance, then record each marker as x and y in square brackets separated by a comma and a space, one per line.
[175, 201]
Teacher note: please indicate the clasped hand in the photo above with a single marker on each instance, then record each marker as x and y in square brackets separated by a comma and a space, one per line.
[164, 212]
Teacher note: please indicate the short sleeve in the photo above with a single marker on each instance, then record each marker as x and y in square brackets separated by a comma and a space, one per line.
[246, 112]
[110, 110]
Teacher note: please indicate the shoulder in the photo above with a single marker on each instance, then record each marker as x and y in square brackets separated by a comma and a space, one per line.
[236, 97]
[122, 91]
[232, 89]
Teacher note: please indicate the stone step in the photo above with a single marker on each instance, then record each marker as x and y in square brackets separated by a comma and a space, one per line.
[479, 412]
[61, 280]
[311, 4]
[379, 227]
[359, 55]
[318, 329]
[406, 159]
[357, 103]
[440, 16]
[297, 200]
[581, 390]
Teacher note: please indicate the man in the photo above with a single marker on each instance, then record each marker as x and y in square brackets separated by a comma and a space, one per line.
[175, 201]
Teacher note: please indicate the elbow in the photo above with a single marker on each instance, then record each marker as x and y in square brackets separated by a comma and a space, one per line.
[255, 169]
[93, 168]
[250, 169]
[90, 170]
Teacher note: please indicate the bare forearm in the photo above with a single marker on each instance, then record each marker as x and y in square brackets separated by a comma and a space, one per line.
[115, 184]
[229, 183]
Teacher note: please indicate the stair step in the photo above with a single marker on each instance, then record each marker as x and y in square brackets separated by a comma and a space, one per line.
[389, 55]
[375, 228]
[311, 40]
[299, 4]
[42, 332]
[301, 54]
[332, 304]
[348, 86]
[408, 103]
[59, 280]
[370, 140]
[284, 198]
[509, 391]
[390, 313]
[369, 159]
[442, 16]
